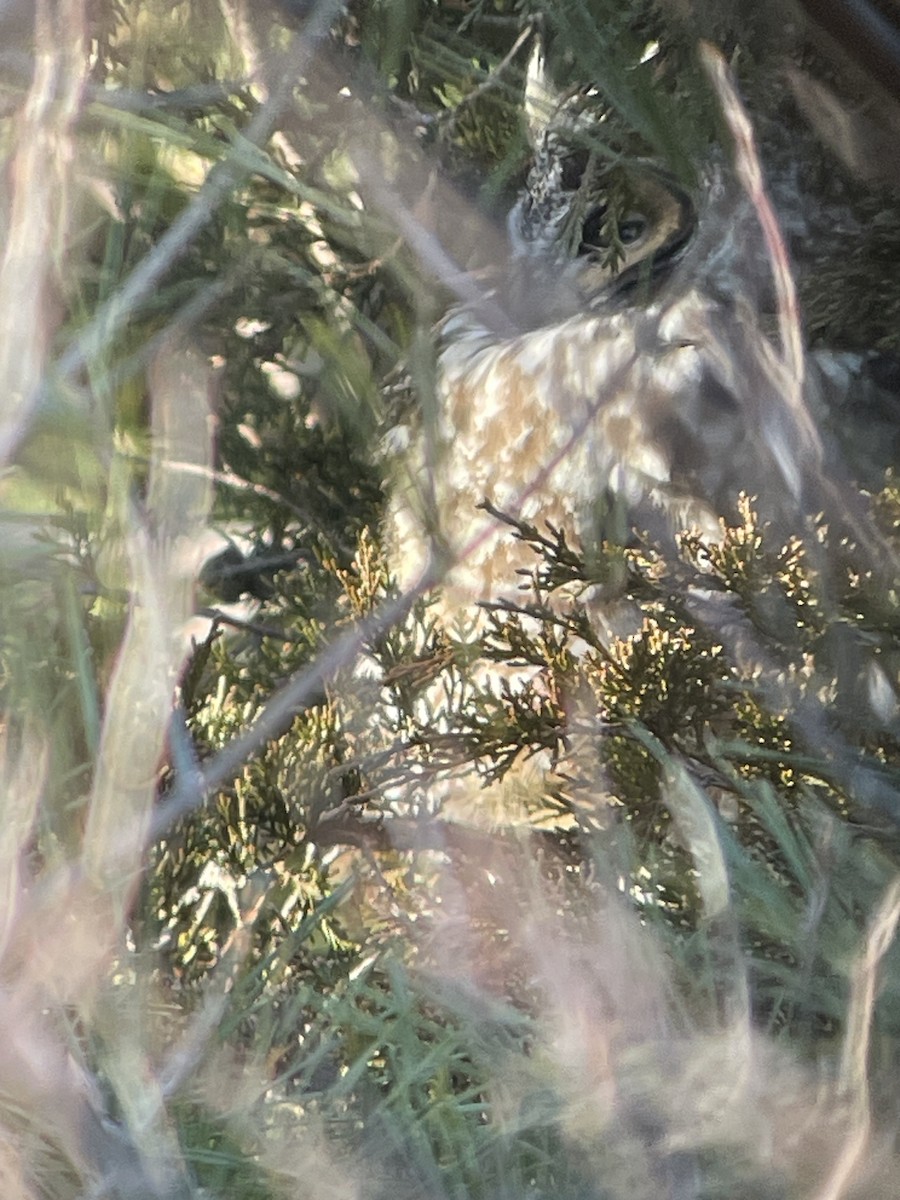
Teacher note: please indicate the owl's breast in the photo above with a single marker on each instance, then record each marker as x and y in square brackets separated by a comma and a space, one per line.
[540, 425]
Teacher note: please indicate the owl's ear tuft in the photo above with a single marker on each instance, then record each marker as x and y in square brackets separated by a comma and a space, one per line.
[542, 101]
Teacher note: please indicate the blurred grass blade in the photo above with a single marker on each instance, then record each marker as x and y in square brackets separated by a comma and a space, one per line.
[139, 702]
[39, 176]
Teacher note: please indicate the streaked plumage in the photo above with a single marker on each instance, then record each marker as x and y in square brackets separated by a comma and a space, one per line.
[641, 363]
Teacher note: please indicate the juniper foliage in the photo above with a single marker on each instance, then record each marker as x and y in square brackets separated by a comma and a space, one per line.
[303, 894]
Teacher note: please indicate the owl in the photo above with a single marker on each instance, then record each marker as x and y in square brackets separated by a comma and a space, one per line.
[629, 355]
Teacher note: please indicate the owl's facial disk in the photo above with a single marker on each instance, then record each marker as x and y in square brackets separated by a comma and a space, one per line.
[618, 249]
[606, 226]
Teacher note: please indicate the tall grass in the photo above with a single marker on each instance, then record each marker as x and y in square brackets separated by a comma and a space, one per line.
[249, 949]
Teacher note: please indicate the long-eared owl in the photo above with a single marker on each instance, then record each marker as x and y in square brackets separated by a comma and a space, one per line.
[631, 352]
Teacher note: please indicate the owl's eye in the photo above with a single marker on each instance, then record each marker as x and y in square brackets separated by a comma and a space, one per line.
[595, 237]
[631, 229]
[573, 168]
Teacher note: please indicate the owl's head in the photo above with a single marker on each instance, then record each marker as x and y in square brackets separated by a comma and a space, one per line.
[600, 221]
